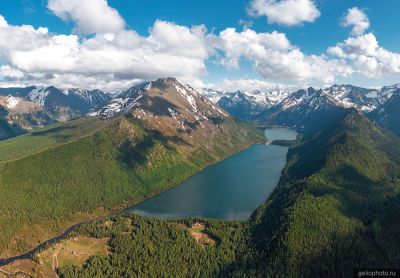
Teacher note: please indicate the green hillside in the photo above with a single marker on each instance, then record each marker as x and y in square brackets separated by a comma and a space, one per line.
[71, 172]
[47, 137]
[337, 208]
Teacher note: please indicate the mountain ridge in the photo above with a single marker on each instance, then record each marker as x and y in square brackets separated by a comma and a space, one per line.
[336, 206]
[246, 104]
[388, 114]
[27, 108]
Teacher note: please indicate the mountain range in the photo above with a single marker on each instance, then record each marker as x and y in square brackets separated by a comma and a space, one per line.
[304, 108]
[245, 104]
[22, 109]
[307, 108]
[347, 96]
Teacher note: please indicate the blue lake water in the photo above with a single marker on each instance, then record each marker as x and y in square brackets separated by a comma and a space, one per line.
[230, 189]
[280, 133]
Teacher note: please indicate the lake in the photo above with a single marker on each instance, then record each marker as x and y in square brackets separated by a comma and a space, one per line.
[230, 189]
[280, 133]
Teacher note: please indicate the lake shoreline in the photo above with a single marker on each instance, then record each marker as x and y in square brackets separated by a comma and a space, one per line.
[121, 210]
[118, 210]
[184, 201]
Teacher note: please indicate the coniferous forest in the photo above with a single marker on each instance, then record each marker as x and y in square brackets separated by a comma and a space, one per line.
[336, 209]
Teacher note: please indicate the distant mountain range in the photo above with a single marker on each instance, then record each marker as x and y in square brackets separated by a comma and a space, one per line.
[304, 109]
[245, 104]
[22, 109]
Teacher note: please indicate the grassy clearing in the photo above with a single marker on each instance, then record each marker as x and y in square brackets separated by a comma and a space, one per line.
[199, 233]
[73, 251]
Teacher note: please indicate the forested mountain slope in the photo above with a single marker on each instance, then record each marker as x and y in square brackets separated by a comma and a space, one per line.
[336, 209]
[66, 173]
[337, 206]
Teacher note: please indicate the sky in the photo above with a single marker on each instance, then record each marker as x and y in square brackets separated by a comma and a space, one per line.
[221, 44]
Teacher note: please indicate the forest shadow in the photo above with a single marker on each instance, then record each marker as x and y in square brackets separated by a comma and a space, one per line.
[359, 196]
[57, 133]
[136, 154]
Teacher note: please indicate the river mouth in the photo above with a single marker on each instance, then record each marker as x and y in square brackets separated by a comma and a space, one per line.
[230, 189]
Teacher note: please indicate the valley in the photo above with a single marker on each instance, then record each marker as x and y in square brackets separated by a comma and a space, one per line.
[159, 147]
[176, 139]
[331, 205]
[90, 167]
[231, 189]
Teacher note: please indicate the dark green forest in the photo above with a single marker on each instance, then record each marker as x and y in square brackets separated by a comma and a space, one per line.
[336, 208]
[58, 176]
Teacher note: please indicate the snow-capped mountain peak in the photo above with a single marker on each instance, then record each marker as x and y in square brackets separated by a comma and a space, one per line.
[245, 103]
[351, 96]
[62, 104]
[163, 97]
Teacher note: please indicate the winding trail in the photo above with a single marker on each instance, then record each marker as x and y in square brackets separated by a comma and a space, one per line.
[55, 264]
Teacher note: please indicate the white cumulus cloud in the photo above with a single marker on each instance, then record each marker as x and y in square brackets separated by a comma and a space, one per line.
[357, 19]
[168, 50]
[90, 16]
[275, 58]
[367, 57]
[114, 57]
[248, 43]
[285, 12]
[3, 22]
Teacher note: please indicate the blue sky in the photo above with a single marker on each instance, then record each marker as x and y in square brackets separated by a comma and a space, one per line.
[313, 36]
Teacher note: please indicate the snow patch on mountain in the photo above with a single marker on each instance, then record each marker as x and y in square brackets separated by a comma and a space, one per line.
[186, 92]
[38, 95]
[116, 106]
[263, 98]
[245, 104]
[12, 102]
[351, 96]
